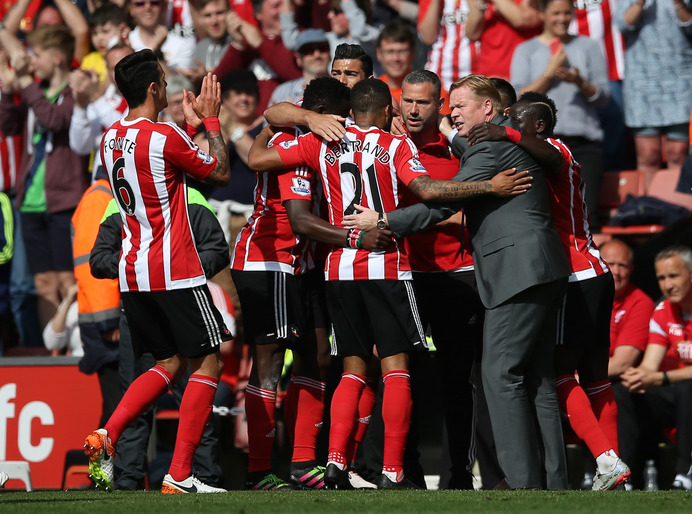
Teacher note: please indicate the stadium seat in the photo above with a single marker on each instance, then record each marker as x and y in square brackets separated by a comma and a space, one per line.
[17, 470]
[663, 186]
[75, 470]
[615, 186]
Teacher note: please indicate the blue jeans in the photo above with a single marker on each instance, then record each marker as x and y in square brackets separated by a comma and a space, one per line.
[23, 292]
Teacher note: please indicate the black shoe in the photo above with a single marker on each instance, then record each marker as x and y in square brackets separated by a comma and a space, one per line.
[311, 477]
[383, 482]
[336, 478]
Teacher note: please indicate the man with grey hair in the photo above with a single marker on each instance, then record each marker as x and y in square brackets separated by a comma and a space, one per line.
[665, 373]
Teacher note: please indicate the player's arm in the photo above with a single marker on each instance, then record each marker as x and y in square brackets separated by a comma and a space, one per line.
[286, 114]
[260, 158]
[205, 109]
[305, 223]
[545, 154]
[505, 183]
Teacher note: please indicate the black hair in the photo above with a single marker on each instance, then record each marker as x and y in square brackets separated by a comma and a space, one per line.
[508, 94]
[134, 73]
[239, 80]
[107, 12]
[370, 95]
[346, 51]
[542, 106]
[425, 77]
[327, 95]
[398, 31]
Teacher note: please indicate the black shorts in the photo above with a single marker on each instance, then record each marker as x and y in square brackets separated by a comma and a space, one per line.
[584, 316]
[313, 284]
[367, 313]
[179, 321]
[48, 240]
[273, 306]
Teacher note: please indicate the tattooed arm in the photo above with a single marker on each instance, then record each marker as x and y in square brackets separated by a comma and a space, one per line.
[505, 183]
[221, 174]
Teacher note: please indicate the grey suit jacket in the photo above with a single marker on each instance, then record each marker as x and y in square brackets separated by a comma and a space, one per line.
[515, 245]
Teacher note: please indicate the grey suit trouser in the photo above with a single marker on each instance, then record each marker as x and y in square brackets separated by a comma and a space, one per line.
[518, 346]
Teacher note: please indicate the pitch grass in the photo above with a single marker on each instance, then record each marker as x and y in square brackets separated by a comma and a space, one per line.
[360, 502]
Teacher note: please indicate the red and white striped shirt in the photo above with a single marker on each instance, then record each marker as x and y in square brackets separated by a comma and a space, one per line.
[266, 242]
[594, 19]
[452, 55]
[365, 167]
[10, 160]
[571, 218]
[146, 164]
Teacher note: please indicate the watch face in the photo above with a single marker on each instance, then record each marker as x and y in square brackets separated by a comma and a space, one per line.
[381, 224]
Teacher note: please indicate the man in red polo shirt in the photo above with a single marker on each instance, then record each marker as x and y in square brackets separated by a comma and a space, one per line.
[665, 374]
[632, 309]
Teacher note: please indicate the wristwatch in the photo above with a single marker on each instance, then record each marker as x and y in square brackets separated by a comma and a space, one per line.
[237, 134]
[381, 222]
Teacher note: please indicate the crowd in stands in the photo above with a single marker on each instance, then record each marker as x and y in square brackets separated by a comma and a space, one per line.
[616, 71]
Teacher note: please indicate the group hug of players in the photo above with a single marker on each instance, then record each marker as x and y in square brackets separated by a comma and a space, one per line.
[355, 172]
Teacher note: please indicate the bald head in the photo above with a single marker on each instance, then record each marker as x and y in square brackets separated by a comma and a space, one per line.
[619, 257]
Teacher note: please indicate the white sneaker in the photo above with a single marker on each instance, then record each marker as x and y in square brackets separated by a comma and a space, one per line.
[190, 485]
[682, 482]
[607, 481]
[358, 482]
[4, 477]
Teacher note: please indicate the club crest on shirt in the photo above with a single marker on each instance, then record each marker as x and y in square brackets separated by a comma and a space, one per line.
[205, 157]
[416, 166]
[676, 329]
[288, 144]
[618, 315]
[300, 186]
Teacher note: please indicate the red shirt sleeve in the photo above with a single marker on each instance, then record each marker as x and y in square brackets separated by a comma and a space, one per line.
[302, 151]
[406, 162]
[183, 154]
[295, 183]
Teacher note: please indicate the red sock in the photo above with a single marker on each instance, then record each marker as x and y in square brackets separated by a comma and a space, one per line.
[260, 406]
[396, 415]
[575, 404]
[291, 408]
[138, 398]
[343, 412]
[606, 410]
[309, 418]
[365, 407]
[195, 410]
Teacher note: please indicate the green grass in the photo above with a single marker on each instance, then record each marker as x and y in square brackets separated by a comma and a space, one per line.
[360, 502]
